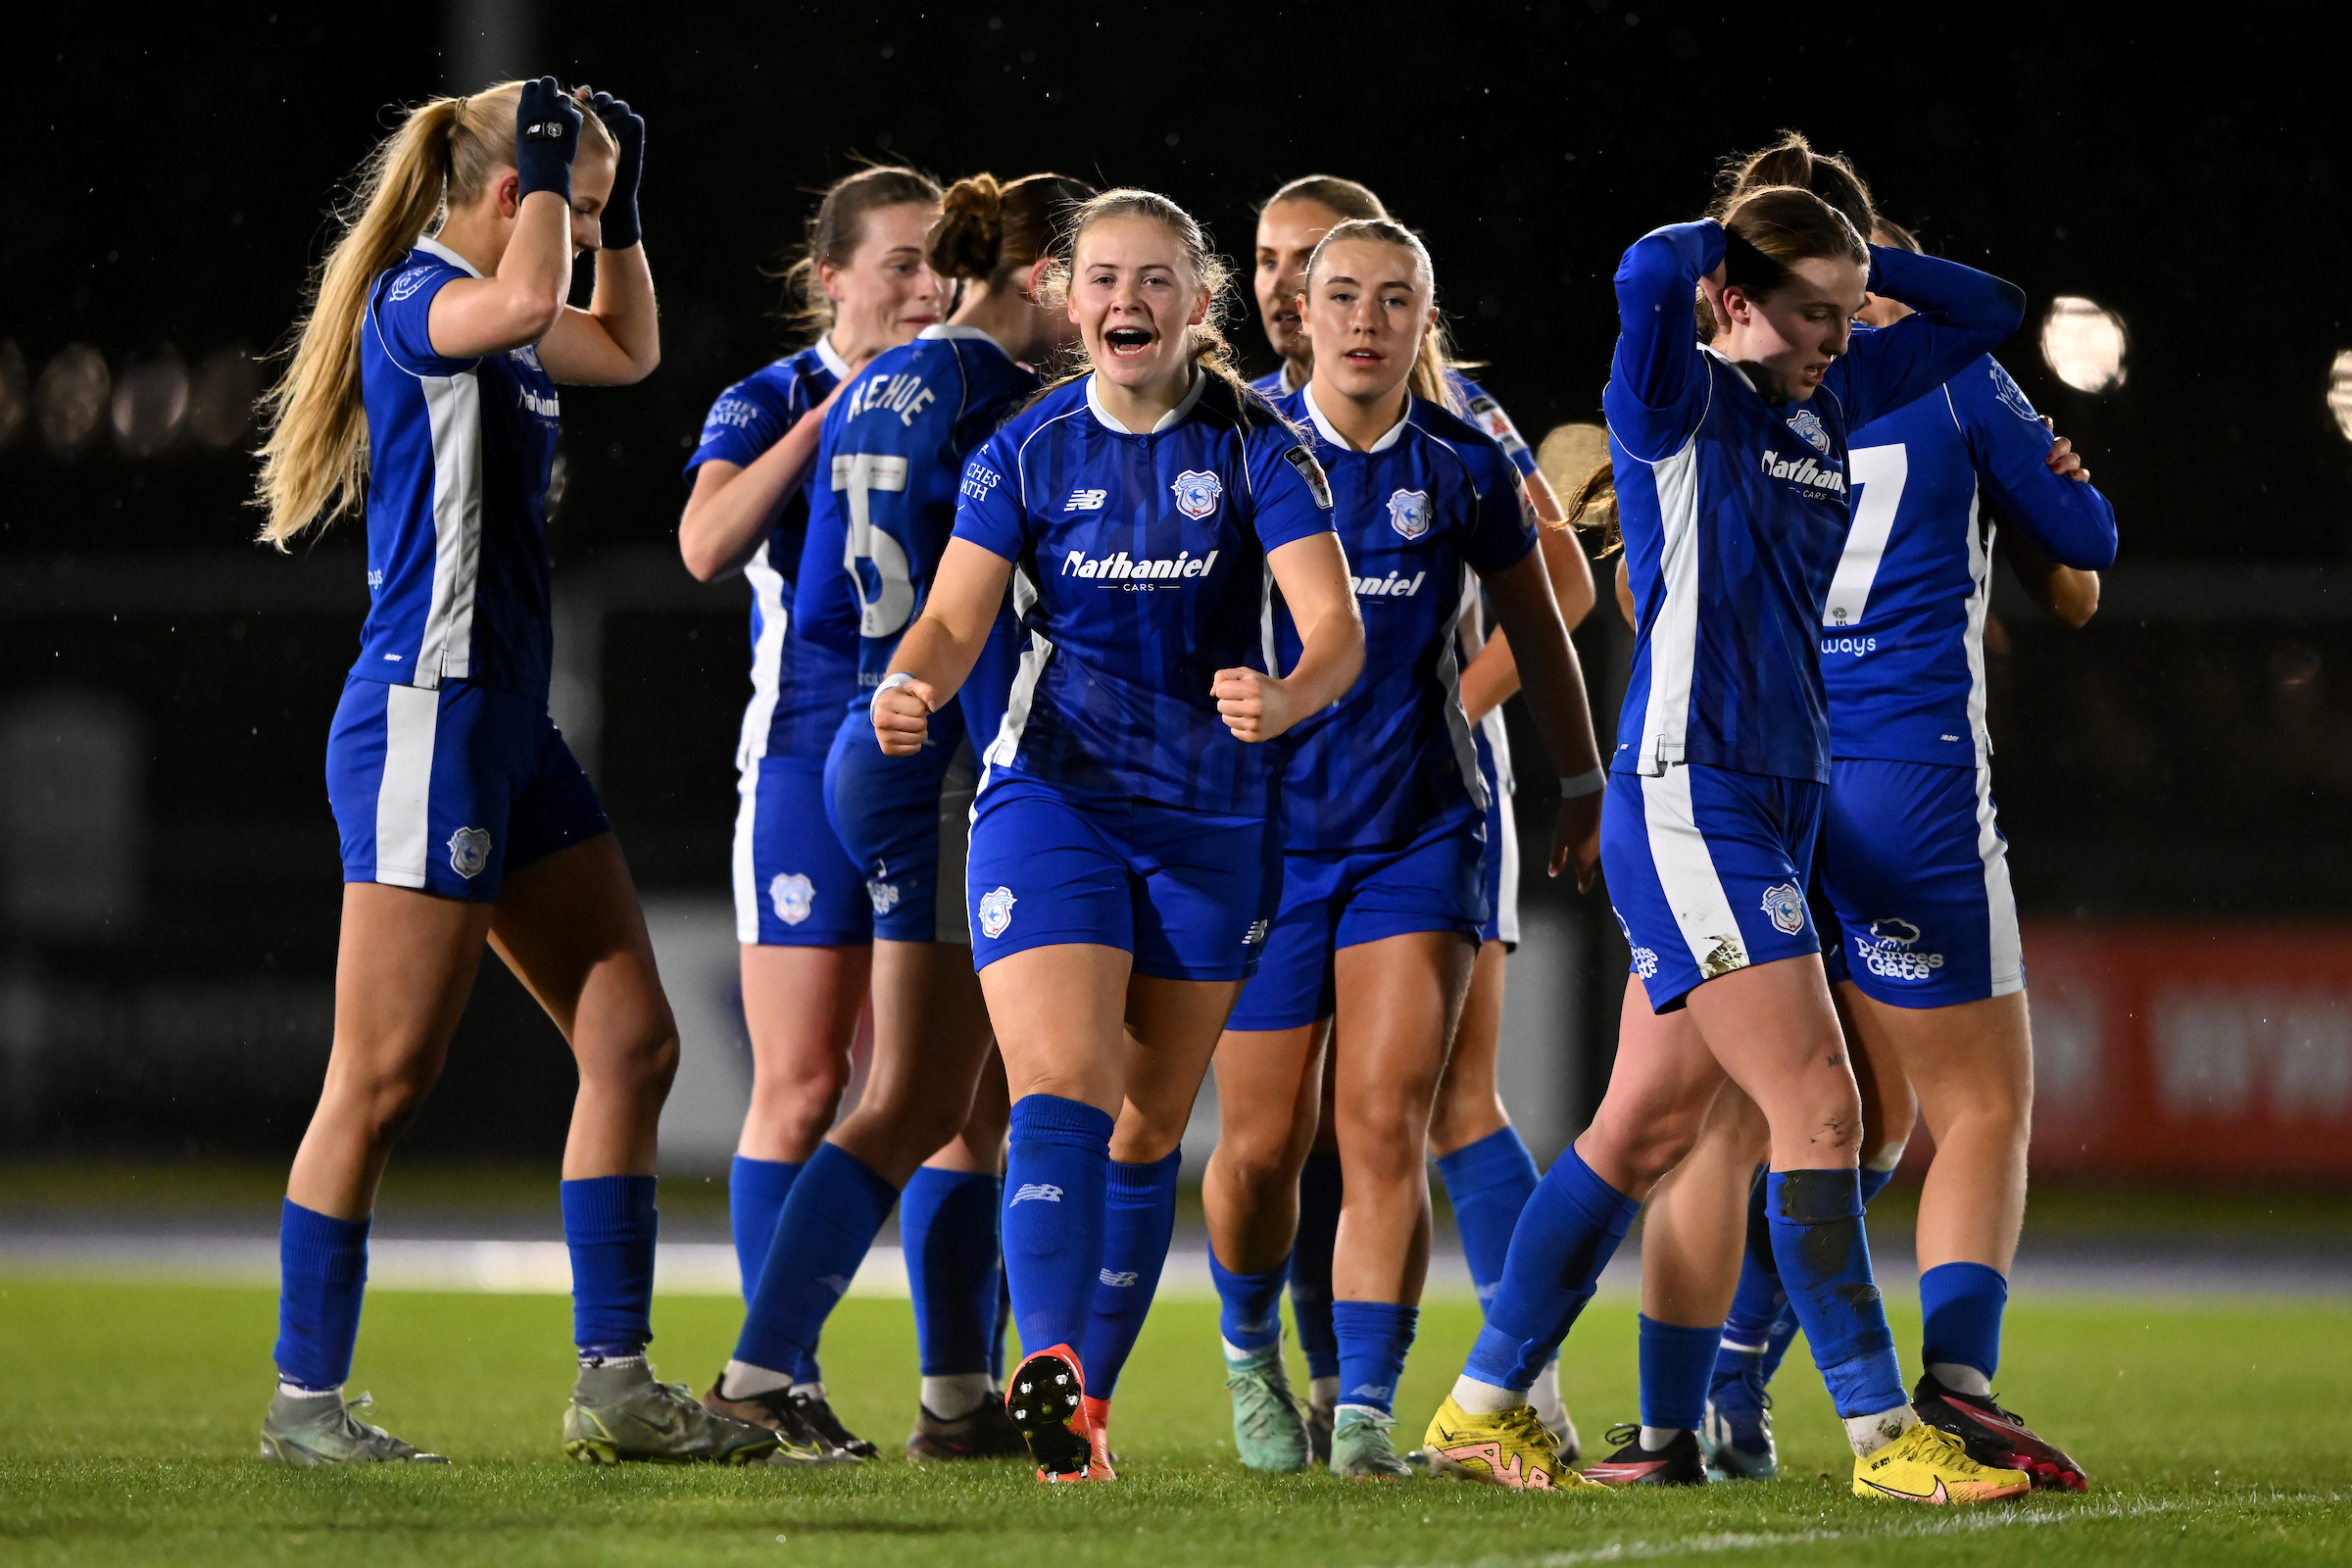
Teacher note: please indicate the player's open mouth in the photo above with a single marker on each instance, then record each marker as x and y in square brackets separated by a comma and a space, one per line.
[1364, 357]
[1127, 341]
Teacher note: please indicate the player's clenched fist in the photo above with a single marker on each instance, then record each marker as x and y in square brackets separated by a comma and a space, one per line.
[1255, 705]
[901, 712]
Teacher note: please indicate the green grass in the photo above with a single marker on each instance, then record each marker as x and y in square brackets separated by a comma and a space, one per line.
[2217, 1433]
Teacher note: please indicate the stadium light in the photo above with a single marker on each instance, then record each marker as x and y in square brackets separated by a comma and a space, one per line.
[220, 398]
[2082, 343]
[72, 398]
[2340, 392]
[151, 403]
[16, 393]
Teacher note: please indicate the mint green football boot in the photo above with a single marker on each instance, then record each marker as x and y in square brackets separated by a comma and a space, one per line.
[1268, 1431]
[1361, 1449]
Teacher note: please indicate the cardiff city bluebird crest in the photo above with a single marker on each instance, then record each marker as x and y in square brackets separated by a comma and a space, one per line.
[469, 851]
[1787, 906]
[1197, 493]
[996, 912]
[1807, 424]
[2013, 397]
[1408, 512]
[793, 897]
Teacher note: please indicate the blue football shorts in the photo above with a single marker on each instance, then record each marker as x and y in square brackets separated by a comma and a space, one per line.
[1915, 870]
[1189, 894]
[795, 885]
[905, 822]
[449, 790]
[1707, 869]
[1334, 898]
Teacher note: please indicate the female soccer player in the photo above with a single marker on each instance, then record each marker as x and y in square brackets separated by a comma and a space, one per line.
[1123, 853]
[893, 448]
[1485, 1165]
[1732, 483]
[801, 910]
[426, 375]
[1384, 810]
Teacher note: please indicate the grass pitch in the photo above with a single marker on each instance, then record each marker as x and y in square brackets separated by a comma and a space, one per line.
[2215, 1431]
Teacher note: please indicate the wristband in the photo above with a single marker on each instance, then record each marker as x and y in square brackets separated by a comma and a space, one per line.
[1583, 784]
[890, 683]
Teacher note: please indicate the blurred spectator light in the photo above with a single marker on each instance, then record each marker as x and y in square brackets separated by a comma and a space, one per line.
[16, 393]
[2339, 392]
[220, 401]
[70, 400]
[2084, 344]
[151, 403]
[73, 770]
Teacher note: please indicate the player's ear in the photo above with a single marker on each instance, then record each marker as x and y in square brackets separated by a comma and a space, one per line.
[509, 194]
[1199, 310]
[1034, 285]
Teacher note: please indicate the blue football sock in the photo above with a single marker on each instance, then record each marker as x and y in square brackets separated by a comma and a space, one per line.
[322, 1275]
[1824, 1253]
[828, 1225]
[1759, 1302]
[947, 1226]
[610, 1223]
[1250, 1306]
[1567, 1234]
[1677, 1364]
[1319, 1194]
[1782, 1333]
[1488, 1183]
[755, 1192]
[1139, 1221]
[1374, 1339]
[1963, 1303]
[1056, 1171]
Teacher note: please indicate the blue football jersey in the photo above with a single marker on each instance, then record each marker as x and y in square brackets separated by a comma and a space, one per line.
[1733, 508]
[884, 503]
[1433, 502]
[1479, 407]
[1902, 633]
[1140, 572]
[459, 453]
[798, 682]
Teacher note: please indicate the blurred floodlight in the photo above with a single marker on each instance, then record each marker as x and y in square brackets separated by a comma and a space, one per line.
[70, 399]
[2339, 392]
[16, 393]
[151, 403]
[221, 399]
[2084, 344]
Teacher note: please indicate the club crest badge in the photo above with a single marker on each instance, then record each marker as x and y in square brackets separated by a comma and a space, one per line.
[1408, 512]
[1805, 423]
[793, 897]
[1318, 484]
[996, 912]
[2013, 397]
[1785, 904]
[1197, 493]
[470, 852]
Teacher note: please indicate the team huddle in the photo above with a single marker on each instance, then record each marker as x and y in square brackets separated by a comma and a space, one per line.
[1116, 721]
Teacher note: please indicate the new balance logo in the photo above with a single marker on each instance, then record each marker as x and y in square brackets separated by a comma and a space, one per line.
[837, 1284]
[1087, 499]
[1371, 1391]
[1119, 1281]
[1043, 1192]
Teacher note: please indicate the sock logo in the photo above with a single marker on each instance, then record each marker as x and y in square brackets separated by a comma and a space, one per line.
[1042, 1192]
[1121, 1280]
[1372, 1391]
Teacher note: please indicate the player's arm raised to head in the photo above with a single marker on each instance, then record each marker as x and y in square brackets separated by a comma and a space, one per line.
[518, 303]
[1312, 573]
[940, 648]
[617, 340]
[1657, 376]
[733, 506]
[1554, 682]
[1959, 315]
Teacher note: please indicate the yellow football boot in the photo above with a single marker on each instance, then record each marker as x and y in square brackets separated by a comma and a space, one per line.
[1513, 1449]
[1928, 1464]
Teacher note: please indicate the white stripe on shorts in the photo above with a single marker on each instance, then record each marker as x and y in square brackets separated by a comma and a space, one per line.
[403, 796]
[1506, 875]
[747, 875]
[2000, 905]
[1687, 874]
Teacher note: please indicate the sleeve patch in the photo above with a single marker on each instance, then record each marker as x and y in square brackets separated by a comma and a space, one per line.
[2013, 397]
[1497, 426]
[729, 413]
[979, 479]
[1312, 473]
[409, 282]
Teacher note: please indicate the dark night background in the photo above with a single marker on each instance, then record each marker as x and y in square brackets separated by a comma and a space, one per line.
[2188, 754]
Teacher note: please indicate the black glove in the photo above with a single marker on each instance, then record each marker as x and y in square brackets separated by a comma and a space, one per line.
[547, 133]
[629, 129]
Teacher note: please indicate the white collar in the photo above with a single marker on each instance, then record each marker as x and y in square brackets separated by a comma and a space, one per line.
[1333, 436]
[830, 356]
[1167, 421]
[433, 247]
[961, 334]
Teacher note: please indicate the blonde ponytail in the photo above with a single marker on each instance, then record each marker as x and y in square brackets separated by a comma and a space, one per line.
[315, 462]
